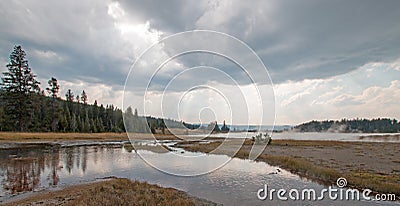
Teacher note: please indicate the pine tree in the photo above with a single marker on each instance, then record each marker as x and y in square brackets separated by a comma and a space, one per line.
[64, 123]
[74, 124]
[53, 89]
[20, 87]
[79, 124]
[84, 97]
[68, 117]
[224, 128]
[95, 110]
[86, 127]
[1, 118]
[41, 117]
[69, 96]
[93, 127]
[100, 126]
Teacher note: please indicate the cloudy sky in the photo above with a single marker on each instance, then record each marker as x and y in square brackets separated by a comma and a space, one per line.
[326, 59]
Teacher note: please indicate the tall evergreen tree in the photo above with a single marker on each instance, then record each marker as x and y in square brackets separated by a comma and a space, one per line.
[20, 87]
[52, 90]
[84, 97]
[69, 96]
[74, 123]
[63, 123]
[86, 126]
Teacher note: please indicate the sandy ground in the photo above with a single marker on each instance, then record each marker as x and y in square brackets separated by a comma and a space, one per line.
[381, 158]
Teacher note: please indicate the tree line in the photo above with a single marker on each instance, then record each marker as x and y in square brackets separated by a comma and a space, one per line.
[379, 125]
[25, 107]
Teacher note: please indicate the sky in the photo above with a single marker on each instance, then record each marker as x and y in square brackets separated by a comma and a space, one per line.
[324, 59]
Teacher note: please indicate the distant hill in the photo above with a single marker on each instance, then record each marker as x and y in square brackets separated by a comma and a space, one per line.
[379, 125]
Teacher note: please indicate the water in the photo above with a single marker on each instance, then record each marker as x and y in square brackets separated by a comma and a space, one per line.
[256, 127]
[42, 167]
[364, 137]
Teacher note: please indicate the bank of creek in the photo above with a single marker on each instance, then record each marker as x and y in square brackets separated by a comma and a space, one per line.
[27, 168]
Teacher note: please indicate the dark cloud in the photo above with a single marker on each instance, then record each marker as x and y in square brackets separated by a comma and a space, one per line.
[318, 39]
[295, 39]
[67, 40]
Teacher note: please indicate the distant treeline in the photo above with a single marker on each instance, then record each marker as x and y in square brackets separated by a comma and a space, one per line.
[25, 107]
[149, 124]
[379, 125]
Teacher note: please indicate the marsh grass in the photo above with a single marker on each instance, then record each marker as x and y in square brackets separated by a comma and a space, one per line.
[381, 183]
[157, 149]
[206, 148]
[114, 192]
[51, 136]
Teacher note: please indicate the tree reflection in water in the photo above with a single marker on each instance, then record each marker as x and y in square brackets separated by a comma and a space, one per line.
[21, 169]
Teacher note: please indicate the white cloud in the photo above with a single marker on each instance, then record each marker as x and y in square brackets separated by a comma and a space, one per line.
[49, 55]
[103, 93]
[115, 10]
[360, 93]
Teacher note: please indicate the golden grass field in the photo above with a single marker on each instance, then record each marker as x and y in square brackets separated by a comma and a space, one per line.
[50, 136]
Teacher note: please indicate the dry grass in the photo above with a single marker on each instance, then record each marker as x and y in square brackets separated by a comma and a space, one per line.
[206, 148]
[114, 192]
[52, 136]
[377, 182]
[153, 148]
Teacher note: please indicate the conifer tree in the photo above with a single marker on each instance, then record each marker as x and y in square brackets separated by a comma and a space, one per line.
[52, 90]
[20, 86]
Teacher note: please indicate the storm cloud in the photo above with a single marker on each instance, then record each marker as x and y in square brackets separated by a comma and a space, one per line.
[308, 44]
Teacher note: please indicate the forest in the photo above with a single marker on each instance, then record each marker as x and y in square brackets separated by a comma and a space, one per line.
[25, 107]
[379, 125]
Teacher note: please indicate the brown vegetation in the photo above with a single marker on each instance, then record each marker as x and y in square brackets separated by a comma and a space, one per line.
[53, 136]
[113, 192]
